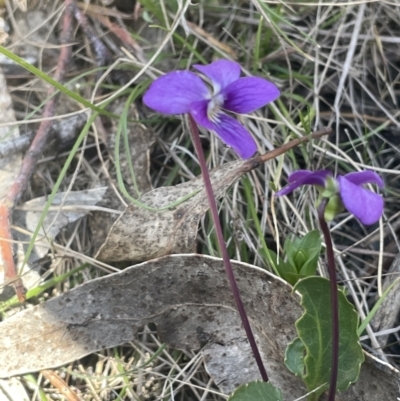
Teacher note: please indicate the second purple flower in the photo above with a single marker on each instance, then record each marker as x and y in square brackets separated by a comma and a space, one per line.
[344, 191]
[181, 92]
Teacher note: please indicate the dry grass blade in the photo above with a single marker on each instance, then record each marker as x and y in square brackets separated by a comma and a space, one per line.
[60, 384]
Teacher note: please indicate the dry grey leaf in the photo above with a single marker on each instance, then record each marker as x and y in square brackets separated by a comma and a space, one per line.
[141, 139]
[141, 234]
[189, 300]
[65, 209]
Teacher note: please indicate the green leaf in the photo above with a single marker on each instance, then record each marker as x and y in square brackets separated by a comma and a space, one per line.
[310, 244]
[294, 357]
[315, 331]
[284, 269]
[256, 391]
[291, 277]
[290, 248]
[302, 257]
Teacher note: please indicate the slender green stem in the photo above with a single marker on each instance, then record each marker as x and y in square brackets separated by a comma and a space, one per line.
[227, 263]
[334, 299]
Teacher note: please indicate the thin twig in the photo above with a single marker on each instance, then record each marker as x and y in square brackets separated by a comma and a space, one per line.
[334, 299]
[32, 156]
[227, 263]
[102, 53]
[123, 35]
[272, 154]
[62, 131]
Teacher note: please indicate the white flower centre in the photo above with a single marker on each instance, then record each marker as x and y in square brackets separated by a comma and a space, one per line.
[214, 107]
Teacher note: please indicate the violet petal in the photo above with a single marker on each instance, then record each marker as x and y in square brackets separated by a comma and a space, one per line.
[366, 205]
[304, 177]
[365, 177]
[235, 135]
[300, 174]
[221, 73]
[174, 92]
[198, 110]
[248, 94]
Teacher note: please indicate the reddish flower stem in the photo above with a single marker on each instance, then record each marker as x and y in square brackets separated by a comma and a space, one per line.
[334, 299]
[227, 263]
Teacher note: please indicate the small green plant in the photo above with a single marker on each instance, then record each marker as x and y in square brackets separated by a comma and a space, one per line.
[301, 257]
[337, 194]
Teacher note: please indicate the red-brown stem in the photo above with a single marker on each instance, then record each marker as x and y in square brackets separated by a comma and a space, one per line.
[290, 145]
[334, 299]
[227, 263]
[31, 157]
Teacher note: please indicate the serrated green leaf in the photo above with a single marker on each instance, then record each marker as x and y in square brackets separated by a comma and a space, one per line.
[294, 357]
[315, 331]
[256, 391]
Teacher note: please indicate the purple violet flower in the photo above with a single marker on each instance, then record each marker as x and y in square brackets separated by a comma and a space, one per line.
[180, 92]
[366, 205]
